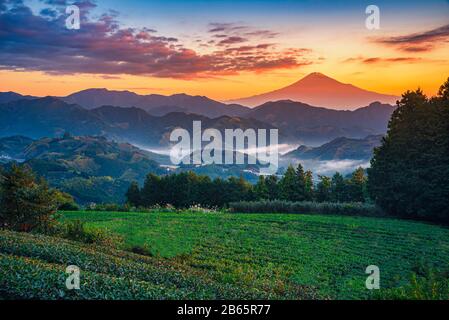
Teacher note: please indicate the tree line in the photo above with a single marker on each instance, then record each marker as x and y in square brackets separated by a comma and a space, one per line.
[187, 188]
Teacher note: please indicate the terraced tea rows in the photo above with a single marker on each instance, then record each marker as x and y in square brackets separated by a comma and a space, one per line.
[34, 267]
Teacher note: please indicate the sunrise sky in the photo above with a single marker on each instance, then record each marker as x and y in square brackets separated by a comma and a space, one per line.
[220, 49]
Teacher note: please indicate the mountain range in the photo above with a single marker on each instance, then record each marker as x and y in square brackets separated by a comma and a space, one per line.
[148, 119]
[298, 122]
[322, 91]
[154, 104]
[314, 89]
[52, 117]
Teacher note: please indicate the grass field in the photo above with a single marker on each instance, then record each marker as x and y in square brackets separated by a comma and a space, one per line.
[280, 255]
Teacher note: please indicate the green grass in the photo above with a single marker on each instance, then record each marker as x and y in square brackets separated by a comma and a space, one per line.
[281, 255]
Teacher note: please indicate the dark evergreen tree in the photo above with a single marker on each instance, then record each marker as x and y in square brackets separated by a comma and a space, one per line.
[308, 186]
[133, 195]
[409, 174]
[25, 202]
[300, 184]
[289, 185]
[338, 188]
[324, 189]
[152, 192]
[356, 186]
[272, 187]
[261, 189]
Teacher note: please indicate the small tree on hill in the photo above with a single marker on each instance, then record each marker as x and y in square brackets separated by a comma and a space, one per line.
[25, 203]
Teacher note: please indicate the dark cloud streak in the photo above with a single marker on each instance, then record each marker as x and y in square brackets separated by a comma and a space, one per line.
[417, 42]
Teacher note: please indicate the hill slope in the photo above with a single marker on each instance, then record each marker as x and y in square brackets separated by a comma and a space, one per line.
[47, 117]
[88, 156]
[92, 169]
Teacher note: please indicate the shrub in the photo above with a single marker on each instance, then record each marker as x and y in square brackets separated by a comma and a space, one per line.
[108, 207]
[76, 230]
[201, 209]
[168, 208]
[69, 207]
[432, 286]
[142, 250]
[64, 201]
[280, 206]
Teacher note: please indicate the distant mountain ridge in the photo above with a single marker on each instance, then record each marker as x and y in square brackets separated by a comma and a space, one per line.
[13, 96]
[52, 117]
[339, 149]
[160, 104]
[322, 91]
[314, 125]
[154, 104]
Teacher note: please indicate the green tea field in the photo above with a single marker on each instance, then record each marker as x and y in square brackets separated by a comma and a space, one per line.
[279, 254]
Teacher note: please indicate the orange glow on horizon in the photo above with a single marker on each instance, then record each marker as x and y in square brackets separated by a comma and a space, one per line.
[388, 80]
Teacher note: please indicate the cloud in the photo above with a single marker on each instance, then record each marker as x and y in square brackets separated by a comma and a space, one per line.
[232, 40]
[40, 42]
[417, 42]
[385, 61]
[226, 27]
[262, 33]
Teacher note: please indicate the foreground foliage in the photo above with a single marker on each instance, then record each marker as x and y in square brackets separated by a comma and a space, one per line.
[429, 286]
